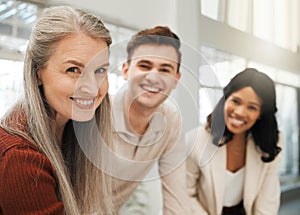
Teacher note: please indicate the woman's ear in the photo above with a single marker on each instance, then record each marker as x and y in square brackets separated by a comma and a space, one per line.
[39, 79]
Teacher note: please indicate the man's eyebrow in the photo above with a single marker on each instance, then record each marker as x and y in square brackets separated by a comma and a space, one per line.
[144, 61]
[168, 65]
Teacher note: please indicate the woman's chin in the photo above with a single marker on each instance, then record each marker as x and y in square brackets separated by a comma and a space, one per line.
[83, 116]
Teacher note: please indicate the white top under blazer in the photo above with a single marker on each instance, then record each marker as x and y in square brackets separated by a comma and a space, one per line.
[234, 187]
[206, 171]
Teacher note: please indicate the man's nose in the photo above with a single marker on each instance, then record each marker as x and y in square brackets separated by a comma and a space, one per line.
[153, 76]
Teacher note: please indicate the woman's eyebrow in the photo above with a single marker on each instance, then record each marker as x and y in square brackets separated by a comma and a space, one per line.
[75, 62]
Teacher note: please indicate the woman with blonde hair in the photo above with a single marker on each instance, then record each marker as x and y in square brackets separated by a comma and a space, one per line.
[43, 167]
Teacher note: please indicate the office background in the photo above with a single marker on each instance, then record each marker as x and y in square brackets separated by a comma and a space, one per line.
[226, 35]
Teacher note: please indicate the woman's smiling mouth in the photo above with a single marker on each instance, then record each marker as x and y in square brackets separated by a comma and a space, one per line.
[83, 103]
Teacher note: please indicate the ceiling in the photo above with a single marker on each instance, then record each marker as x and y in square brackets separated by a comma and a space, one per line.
[16, 22]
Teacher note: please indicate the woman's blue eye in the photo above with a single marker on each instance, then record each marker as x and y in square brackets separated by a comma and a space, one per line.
[101, 70]
[73, 70]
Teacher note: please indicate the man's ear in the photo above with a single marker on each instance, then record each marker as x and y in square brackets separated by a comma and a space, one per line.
[178, 75]
[125, 67]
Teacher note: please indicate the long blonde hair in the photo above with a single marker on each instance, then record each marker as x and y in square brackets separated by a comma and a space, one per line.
[77, 177]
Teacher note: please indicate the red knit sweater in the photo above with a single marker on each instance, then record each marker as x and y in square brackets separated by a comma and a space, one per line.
[27, 182]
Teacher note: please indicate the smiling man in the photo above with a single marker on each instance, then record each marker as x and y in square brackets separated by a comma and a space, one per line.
[148, 143]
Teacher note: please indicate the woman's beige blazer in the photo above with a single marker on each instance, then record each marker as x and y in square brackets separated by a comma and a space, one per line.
[206, 167]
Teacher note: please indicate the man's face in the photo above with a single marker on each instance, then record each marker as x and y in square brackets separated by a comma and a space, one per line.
[152, 74]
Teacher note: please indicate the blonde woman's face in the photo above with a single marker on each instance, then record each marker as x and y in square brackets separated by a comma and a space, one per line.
[242, 109]
[75, 77]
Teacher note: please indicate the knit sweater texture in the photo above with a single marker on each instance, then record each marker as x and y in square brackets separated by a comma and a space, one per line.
[27, 179]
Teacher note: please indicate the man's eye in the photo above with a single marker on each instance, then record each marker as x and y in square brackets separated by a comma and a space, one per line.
[165, 70]
[144, 66]
[73, 70]
[101, 70]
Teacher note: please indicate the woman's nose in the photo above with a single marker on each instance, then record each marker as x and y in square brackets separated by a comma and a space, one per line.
[88, 84]
[240, 110]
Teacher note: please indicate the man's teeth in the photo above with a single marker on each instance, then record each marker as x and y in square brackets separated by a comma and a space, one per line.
[84, 102]
[151, 89]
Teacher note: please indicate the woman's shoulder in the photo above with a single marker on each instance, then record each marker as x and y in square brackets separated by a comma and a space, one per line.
[26, 177]
[16, 152]
[9, 141]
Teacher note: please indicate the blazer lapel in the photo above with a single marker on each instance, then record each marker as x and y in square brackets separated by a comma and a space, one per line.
[254, 171]
[218, 176]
